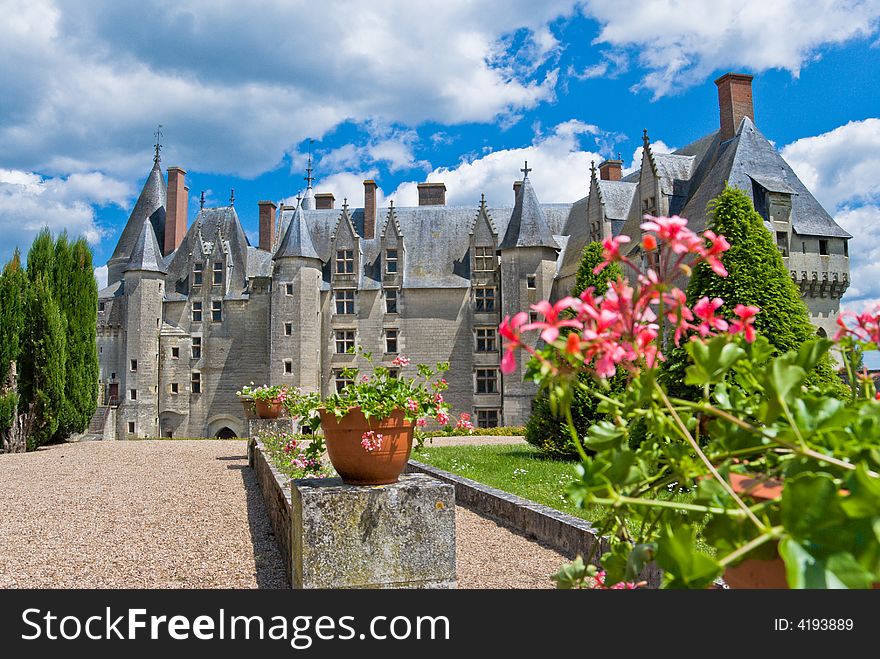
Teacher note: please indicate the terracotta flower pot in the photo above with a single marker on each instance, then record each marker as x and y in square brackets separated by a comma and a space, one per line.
[268, 409]
[355, 464]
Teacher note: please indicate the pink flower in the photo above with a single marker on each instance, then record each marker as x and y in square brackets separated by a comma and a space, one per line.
[552, 322]
[371, 441]
[365, 378]
[622, 585]
[508, 362]
[421, 423]
[442, 417]
[719, 245]
[400, 360]
[611, 251]
[438, 398]
[745, 324]
[705, 310]
[412, 405]
[464, 422]
[678, 313]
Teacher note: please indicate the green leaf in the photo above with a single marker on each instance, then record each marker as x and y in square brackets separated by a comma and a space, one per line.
[573, 574]
[683, 565]
[638, 558]
[804, 570]
[810, 352]
[809, 502]
[712, 360]
[605, 435]
[782, 380]
[864, 495]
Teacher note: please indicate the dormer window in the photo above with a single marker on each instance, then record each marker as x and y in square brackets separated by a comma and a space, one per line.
[823, 247]
[484, 259]
[782, 242]
[391, 261]
[218, 273]
[197, 273]
[344, 261]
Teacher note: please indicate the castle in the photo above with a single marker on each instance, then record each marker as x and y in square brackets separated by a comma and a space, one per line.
[192, 312]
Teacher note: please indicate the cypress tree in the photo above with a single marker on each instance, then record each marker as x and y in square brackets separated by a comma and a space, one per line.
[756, 276]
[62, 290]
[544, 429]
[13, 287]
[41, 257]
[44, 352]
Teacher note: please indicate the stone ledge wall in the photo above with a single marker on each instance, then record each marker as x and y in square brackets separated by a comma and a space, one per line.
[276, 493]
[565, 533]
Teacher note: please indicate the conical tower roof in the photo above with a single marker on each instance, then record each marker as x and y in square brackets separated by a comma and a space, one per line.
[297, 241]
[527, 227]
[146, 256]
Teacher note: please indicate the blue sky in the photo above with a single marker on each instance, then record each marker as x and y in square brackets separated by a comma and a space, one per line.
[405, 92]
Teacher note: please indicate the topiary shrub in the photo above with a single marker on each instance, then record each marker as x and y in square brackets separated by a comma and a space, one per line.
[545, 430]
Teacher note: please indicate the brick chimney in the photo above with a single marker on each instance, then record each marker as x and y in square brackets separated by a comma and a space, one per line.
[611, 170]
[175, 209]
[267, 224]
[369, 209]
[734, 102]
[516, 186]
[432, 194]
[324, 201]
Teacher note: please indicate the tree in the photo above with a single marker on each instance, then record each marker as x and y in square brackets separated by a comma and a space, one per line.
[548, 431]
[756, 276]
[13, 287]
[44, 361]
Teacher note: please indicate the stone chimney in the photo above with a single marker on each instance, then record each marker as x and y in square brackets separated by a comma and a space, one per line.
[611, 170]
[267, 224]
[369, 209]
[734, 102]
[324, 201]
[516, 186]
[432, 194]
[175, 209]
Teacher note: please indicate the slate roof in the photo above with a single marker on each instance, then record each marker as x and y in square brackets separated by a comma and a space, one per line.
[297, 242]
[146, 254]
[617, 197]
[672, 167]
[150, 205]
[527, 226]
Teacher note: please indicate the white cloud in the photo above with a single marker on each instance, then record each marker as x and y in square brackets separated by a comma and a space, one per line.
[561, 170]
[864, 254]
[681, 42]
[85, 84]
[840, 166]
[29, 202]
[101, 276]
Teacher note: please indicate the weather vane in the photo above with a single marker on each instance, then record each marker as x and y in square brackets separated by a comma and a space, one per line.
[309, 178]
[158, 143]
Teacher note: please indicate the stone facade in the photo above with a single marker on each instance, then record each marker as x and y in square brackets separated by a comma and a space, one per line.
[186, 320]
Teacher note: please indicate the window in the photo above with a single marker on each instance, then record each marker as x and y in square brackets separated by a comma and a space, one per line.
[131, 427]
[197, 273]
[533, 316]
[487, 418]
[175, 388]
[288, 329]
[393, 373]
[197, 311]
[484, 259]
[485, 299]
[487, 381]
[823, 247]
[846, 248]
[288, 367]
[133, 367]
[486, 339]
[344, 341]
[803, 247]
[345, 302]
[390, 300]
[288, 289]
[100, 306]
[391, 341]
[175, 352]
[197, 347]
[391, 261]
[218, 273]
[196, 382]
[782, 242]
[216, 311]
[530, 282]
[132, 394]
[344, 261]
[341, 380]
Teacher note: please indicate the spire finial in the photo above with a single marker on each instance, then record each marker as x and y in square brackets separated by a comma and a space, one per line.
[232, 196]
[525, 170]
[158, 145]
[645, 137]
[391, 205]
[593, 166]
[345, 204]
[308, 177]
[618, 156]
[202, 201]
[482, 200]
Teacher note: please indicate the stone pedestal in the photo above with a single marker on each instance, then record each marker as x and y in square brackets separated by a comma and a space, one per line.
[256, 426]
[386, 536]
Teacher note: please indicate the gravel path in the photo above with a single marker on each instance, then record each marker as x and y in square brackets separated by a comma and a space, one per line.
[183, 514]
[475, 440]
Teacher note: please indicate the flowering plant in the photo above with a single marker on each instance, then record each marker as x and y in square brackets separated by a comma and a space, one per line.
[276, 393]
[675, 473]
[296, 456]
[380, 394]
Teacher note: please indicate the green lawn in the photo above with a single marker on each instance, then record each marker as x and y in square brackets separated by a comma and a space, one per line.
[517, 468]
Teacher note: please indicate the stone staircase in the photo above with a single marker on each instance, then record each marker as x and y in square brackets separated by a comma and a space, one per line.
[95, 431]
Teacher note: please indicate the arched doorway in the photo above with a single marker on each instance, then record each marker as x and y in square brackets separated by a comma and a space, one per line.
[822, 333]
[225, 433]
